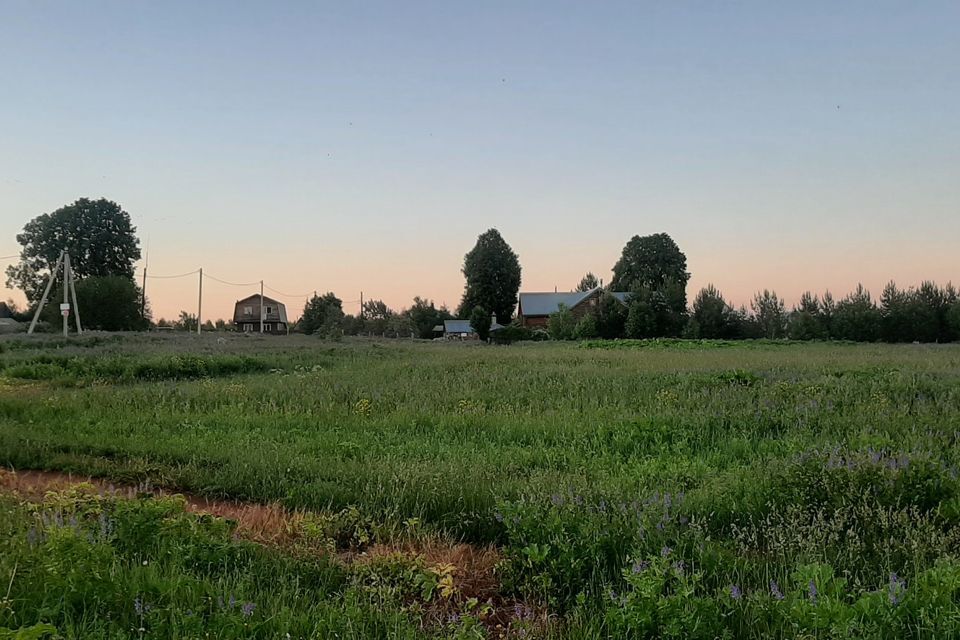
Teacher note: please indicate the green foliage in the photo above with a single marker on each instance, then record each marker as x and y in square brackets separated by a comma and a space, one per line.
[650, 261]
[425, 316]
[586, 328]
[322, 315]
[492, 272]
[107, 303]
[770, 314]
[750, 461]
[98, 234]
[808, 321]
[612, 319]
[856, 318]
[562, 324]
[712, 317]
[588, 282]
[480, 322]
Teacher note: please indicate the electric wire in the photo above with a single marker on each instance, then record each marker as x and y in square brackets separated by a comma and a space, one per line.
[181, 275]
[232, 284]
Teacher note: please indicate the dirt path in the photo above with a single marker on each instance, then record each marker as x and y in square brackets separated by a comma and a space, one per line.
[274, 525]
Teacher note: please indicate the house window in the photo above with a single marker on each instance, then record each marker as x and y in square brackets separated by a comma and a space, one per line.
[248, 311]
[269, 309]
[267, 327]
[247, 328]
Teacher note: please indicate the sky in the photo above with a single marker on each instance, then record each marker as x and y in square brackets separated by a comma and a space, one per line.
[363, 146]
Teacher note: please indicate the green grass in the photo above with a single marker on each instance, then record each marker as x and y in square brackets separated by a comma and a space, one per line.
[751, 462]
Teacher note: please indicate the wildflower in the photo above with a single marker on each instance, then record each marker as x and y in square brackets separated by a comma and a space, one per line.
[33, 537]
[138, 606]
[639, 567]
[556, 499]
[679, 566]
[735, 592]
[247, 609]
[775, 590]
[498, 516]
[232, 602]
[665, 551]
[897, 587]
[812, 589]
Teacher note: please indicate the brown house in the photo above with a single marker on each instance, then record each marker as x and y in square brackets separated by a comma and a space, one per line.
[534, 309]
[247, 315]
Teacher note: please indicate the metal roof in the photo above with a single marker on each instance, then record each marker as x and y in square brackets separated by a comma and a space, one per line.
[457, 326]
[620, 295]
[543, 304]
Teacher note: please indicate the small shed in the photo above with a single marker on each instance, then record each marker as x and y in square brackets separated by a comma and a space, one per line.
[247, 315]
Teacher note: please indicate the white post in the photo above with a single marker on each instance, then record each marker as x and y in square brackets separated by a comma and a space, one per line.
[199, 299]
[76, 307]
[261, 306]
[46, 292]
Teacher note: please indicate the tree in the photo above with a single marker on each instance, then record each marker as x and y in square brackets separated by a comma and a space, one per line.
[107, 303]
[186, 322]
[769, 313]
[588, 282]
[712, 316]
[561, 323]
[425, 316]
[481, 321]
[857, 318]
[586, 328]
[322, 315]
[492, 272]
[806, 321]
[376, 315]
[953, 321]
[612, 318]
[98, 234]
[650, 261]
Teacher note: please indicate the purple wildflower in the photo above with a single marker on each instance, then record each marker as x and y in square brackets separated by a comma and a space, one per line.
[138, 606]
[498, 516]
[775, 590]
[735, 592]
[232, 602]
[247, 609]
[897, 587]
[812, 589]
[639, 567]
[665, 551]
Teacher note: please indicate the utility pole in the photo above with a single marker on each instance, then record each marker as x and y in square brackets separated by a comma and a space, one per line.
[361, 305]
[261, 306]
[46, 292]
[143, 295]
[199, 300]
[76, 307]
[65, 308]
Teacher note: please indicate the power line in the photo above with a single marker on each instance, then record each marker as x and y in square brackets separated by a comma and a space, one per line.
[287, 295]
[16, 255]
[232, 284]
[182, 275]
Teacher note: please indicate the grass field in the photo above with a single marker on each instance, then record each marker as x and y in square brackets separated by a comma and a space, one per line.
[628, 489]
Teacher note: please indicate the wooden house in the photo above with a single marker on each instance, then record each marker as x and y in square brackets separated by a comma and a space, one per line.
[247, 315]
[534, 309]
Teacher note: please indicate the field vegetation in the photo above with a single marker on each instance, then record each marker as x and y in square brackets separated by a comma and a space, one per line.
[685, 489]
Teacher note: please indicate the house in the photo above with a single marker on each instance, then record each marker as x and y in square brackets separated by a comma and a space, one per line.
[535, 308]
[247, 316]
[463, 330]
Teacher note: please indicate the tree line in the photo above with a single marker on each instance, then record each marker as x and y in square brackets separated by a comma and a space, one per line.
[650, 274]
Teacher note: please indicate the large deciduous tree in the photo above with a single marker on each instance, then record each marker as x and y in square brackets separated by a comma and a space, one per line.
[650, 261]
[107, 303]
[492, 271]
[97, 233]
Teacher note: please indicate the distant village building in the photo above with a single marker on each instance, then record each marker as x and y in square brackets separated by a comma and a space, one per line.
[7, 323]
[535, 308]
[463, 330]
[247, 317]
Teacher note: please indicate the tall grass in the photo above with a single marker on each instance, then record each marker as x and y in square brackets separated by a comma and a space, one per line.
[750, 462]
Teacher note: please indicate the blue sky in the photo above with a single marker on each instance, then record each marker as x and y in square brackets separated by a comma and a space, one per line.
[364, 146]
